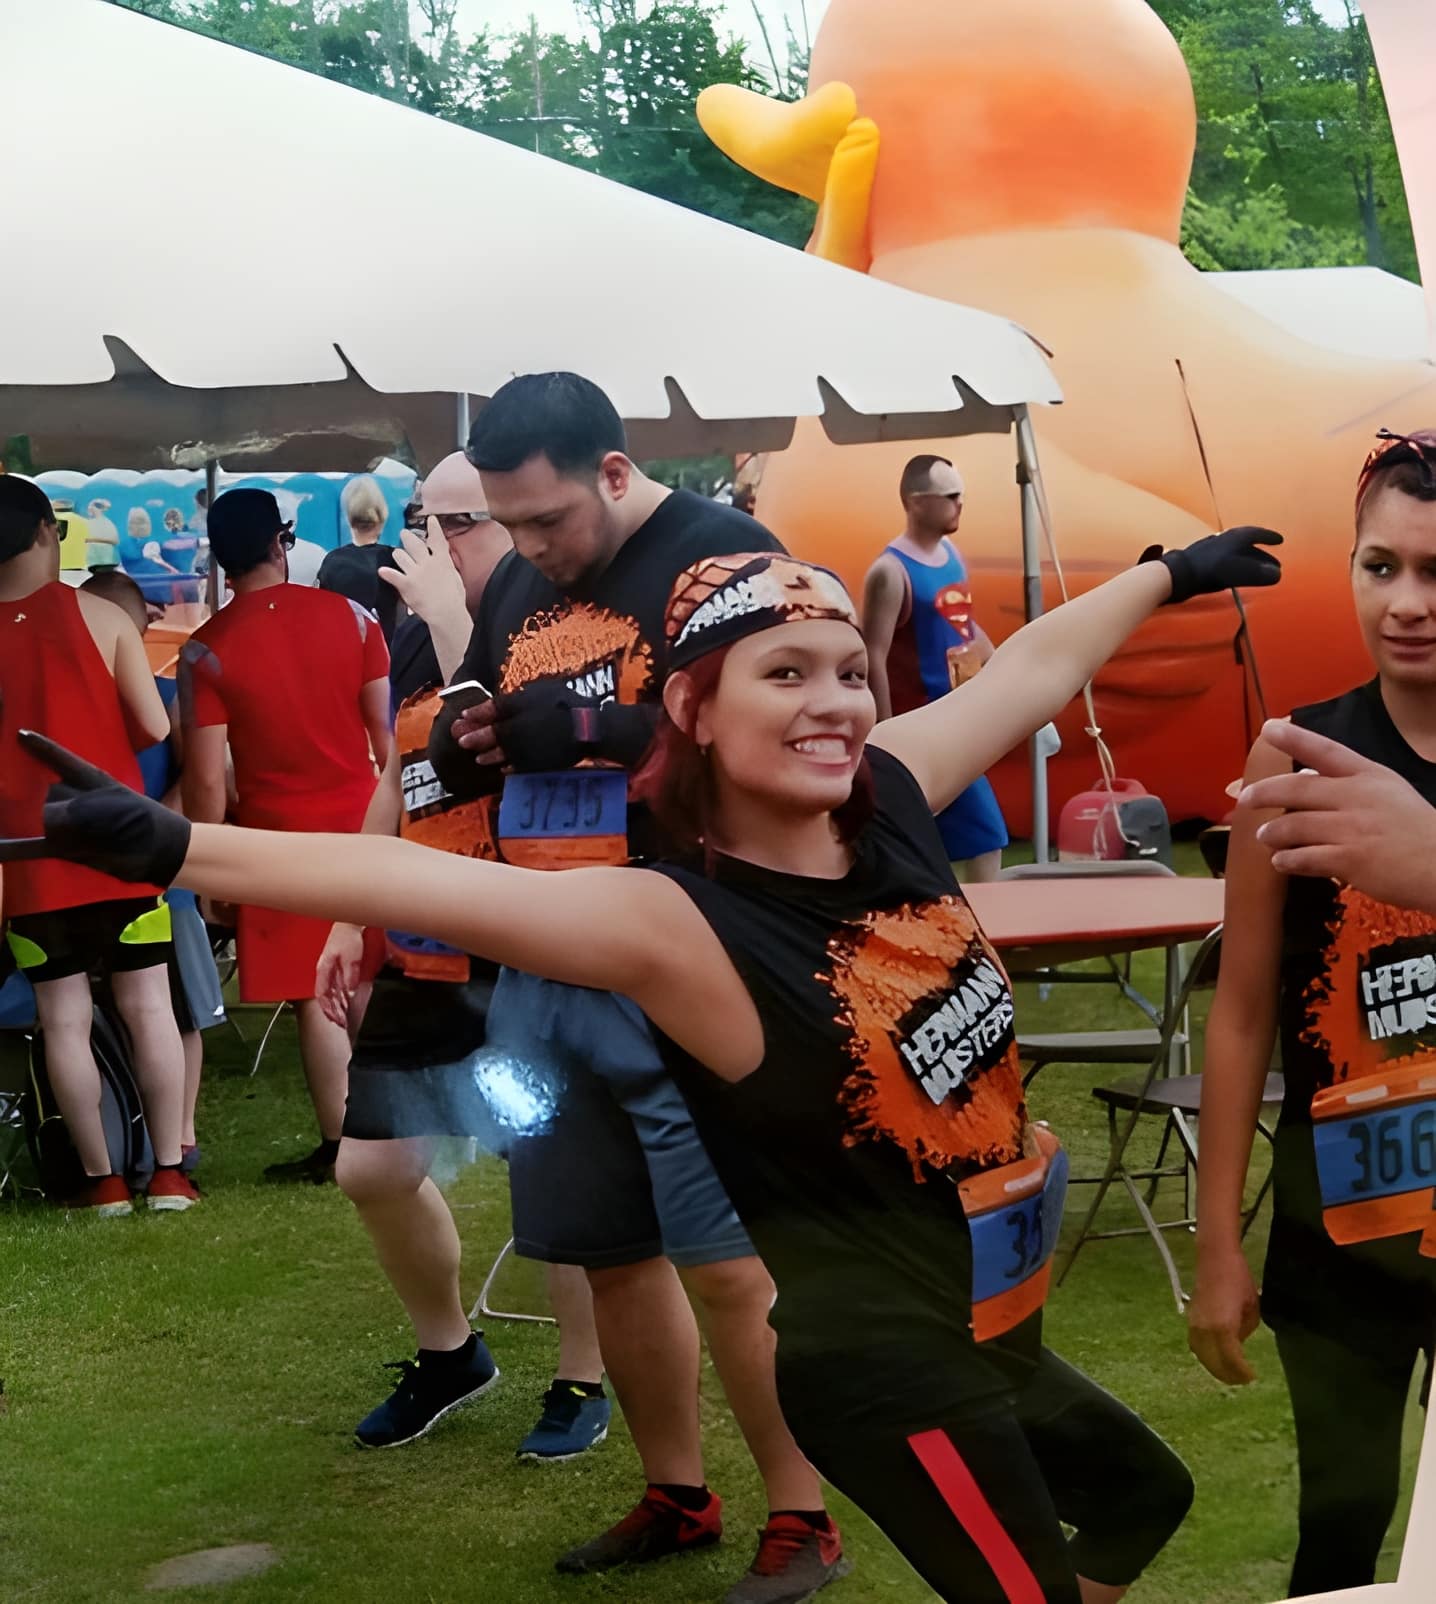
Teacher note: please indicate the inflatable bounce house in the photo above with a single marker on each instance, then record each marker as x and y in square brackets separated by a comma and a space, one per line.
[1032, 158]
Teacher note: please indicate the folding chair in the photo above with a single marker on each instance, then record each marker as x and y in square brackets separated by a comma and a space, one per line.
[1177, 1100]
[1039, 1049]
[482, 1306]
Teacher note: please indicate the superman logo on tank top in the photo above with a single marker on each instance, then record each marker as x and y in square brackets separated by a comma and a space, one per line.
[927, 1014]
[1370, 1012]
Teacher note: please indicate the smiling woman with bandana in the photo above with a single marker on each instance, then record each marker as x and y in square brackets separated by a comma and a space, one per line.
[844, 1032]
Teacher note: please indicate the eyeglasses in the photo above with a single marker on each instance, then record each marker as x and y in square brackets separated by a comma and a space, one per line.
[63, 525]
[287, 536]
[450, 523]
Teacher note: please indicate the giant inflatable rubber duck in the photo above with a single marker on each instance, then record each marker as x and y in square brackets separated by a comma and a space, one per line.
[1032, 158]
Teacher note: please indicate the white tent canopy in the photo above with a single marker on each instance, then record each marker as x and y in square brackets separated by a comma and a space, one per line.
[1359, 311]
[272, 267]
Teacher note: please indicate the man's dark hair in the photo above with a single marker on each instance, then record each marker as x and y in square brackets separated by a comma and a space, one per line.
[23, 508]
[561, 416]
[915, 476]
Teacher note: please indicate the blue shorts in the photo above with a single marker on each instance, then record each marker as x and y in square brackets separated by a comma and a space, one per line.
[973, 824]
[619, 1175]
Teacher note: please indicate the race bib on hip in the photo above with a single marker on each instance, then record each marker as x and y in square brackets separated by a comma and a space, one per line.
[1014, 1215]
[1376, 1152]
[576, 818]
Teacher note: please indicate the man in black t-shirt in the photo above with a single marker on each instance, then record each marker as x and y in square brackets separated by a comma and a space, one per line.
[570, 640]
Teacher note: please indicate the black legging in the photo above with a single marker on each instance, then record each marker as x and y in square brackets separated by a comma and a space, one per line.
[976, 1507]
[1348, 1399]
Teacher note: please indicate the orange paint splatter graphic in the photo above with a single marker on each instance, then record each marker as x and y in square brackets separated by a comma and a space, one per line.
[578, 639]
[1338, 1007]
[935, 1060]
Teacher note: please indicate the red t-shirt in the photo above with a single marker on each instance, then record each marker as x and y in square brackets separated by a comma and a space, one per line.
[283, 668]
[54, 679]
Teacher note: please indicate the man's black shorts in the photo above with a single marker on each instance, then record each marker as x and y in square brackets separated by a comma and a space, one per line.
[113, 937]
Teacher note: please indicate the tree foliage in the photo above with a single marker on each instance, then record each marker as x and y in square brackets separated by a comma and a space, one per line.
[1296, 164]
[1295, 167]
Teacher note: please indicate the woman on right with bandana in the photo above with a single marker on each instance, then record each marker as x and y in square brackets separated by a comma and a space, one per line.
[1349, 985]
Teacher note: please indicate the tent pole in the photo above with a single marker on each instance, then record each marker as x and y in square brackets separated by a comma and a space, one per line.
[214, 582]
[461, 419]
[1032, 608]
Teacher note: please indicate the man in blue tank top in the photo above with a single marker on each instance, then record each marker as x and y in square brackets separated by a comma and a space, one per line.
[923, 641]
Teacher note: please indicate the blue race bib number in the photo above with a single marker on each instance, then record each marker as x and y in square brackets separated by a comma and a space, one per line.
[574, 803]
[1381, 1154]
[1010, 1245]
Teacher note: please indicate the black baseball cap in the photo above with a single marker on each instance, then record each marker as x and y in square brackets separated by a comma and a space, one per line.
[242, 527]
[23, 508]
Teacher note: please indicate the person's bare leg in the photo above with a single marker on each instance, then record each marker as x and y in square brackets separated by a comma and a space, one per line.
[413, 1232]
[571, 1300]
[193, 1044]
[649, 1341]
[986, 866]
[65, 1012]
[324, 1052]
[733, 1300]
[143, 1000]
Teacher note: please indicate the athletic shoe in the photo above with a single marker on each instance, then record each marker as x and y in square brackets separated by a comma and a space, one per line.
[106, 1196]
[170, 1191]
[316, 1168]
[571, 1423]
[654, 1528]
[423, 1395]
[793, 1562]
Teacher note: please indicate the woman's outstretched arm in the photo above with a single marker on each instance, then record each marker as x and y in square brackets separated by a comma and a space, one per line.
[1034, 674]
[588, 927]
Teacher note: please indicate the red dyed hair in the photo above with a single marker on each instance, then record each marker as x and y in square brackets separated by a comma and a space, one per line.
[676, 782]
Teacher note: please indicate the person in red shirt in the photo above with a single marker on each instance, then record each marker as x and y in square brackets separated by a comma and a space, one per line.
[295, 682]
[73, 663]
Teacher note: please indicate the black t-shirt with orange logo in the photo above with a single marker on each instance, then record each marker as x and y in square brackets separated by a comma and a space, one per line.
[890, 1076]
[1355, 1155]
[607, 644]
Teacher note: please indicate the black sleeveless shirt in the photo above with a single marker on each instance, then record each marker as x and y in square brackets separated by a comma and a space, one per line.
[889, 1074]
[1358, 1007]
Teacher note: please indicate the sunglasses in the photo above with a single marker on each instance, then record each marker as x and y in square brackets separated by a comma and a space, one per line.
[287, 536]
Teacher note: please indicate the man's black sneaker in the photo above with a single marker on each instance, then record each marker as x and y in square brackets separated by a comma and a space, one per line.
[423, 1395]
[316, 1168]
[654, 1528]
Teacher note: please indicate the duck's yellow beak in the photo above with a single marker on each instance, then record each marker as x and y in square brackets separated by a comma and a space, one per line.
[786, 143]
[817, 147]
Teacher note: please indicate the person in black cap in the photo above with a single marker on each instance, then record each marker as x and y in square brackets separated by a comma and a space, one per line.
[296, 682]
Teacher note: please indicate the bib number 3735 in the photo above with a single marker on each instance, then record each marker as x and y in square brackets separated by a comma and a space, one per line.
[566, 819]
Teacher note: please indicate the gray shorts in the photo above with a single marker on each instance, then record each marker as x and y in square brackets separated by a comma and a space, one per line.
[619, 1175]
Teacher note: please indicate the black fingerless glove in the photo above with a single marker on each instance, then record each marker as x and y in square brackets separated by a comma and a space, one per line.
[457, 769]
[1228, 561]
[541, 728]
[91, 818]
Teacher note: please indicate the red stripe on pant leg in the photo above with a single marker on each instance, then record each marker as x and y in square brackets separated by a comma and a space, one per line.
[939, 1457]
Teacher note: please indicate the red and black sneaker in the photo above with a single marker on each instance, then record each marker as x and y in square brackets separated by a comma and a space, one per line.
[654, 1528]
[793, 1562]
[105, 1195]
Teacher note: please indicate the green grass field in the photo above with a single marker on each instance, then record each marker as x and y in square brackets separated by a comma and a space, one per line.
[181, 1382]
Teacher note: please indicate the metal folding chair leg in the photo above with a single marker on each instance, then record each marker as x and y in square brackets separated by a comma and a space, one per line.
[264, 1039]
[482, 1306]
